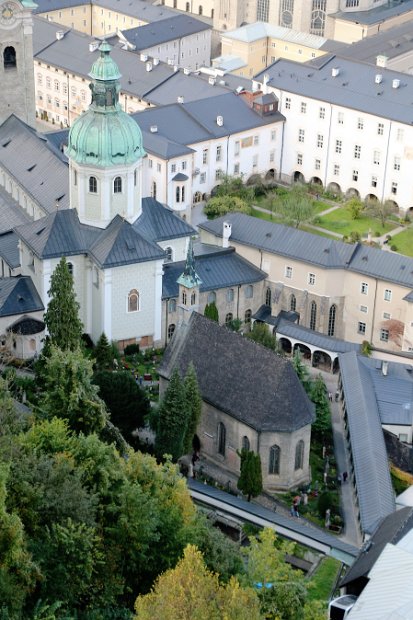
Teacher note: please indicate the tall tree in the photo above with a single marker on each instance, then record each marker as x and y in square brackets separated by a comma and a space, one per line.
[260, 333]
[297, 206]
[62, 315]
[221, 205]
[381, 209]
[250, 480]
[194, 405]
[190, 590]
[318, 396]
[302, 371]
[103, 354]
[211, 312]
[70, 393]
[172, 419]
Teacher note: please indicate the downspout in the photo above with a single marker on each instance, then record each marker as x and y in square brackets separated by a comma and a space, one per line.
[228, 137]
[166, 320]
[385, 163]
[239, 286]
[328, 146]
[374, 312]
[68, 100]
[282, 152]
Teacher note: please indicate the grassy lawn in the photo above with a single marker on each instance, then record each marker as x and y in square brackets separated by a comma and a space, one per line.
[323, 580]
[278, 220]
[404, 242]
[340, 221]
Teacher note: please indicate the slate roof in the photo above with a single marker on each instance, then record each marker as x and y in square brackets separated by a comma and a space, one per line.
[9, 251]
[28, 158]
[378, 14]
[314, 249]
[394, 42]
[239, 376]
[159, 223]
[137, 8]
[316, 339]
[374, 488]
[191, 87]
[354, 87]
[390, 530]
[169, 29]
[121, 244]
[18, 296]
[26, 326]
[216, 270]
[11, 213]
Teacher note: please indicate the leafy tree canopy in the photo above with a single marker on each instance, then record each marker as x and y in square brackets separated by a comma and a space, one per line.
[296, 207]
[211, 312]
[261, 334]
[221, 205]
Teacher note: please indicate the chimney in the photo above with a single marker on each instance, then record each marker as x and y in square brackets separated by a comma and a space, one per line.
[379, 78]
[335, 71]
[180, 99]
[155, 62]
[265, 81]
[59, 35]
[149, 66]
[226, 233]
[220, 120]
[384, 368]
[395, 83]
[381, 61]
[187, 71]
[154, 128]
[144, 57]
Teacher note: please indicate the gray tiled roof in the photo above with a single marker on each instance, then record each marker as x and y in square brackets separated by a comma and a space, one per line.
[378, 14]
[390, 530]
[216, 270]
[238, 376]
[43, 6]
[9, 251]
[121, 244]
[18, 296]
[158, 222]
[354, 87]
[314, 249]
[374, 488]
[156, 144]
[316, 339]
[135, 8]
[28, 158]
[11, 214]
[174, 27]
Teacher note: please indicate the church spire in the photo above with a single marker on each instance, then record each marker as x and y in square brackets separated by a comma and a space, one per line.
[189, 278]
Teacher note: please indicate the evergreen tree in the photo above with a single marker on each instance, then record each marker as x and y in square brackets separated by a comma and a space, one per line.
[261, 334]
[302, 371]
[250, 480]
[172, 419]
[318, 395]
[193, 404]
[211, 312]
[103, 354]
[61, 318]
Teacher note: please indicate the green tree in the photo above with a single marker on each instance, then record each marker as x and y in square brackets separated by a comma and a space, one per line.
[70, 393]
[381, 209]
[194, 406]
[302, 371]
[172, 419]
[190, 590]
[221, 205]
[355, 207]
[318, 395]
[127, 403]
[62, 314]
[297, 206]
[103, 354]
[261, 334]
[211, 311]
[234, 186]
[250, 480]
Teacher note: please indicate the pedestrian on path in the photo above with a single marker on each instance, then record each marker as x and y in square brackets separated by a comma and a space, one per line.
[345, 476]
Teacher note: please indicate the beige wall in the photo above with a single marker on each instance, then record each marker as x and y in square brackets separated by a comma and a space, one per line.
[349, 32]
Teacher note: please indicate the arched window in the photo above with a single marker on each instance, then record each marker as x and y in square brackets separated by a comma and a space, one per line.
[172, 305]
[153, 189]
[9, 57]
[168, 254]
[274, 460]
[313, 315]
[299, 455]
[133, 301]
[212, 297]
[332, 320]
[117, 185]
[293, 303]
[230, 295]
[247, 316]
[228, 318]
[171, 329]
[184, 297]
[222, 435]
[245, 445]
[268, 297]
[93, 185]
[177, 194]
[193, 298]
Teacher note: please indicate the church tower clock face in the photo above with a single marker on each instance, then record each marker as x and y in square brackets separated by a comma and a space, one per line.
[8, 11]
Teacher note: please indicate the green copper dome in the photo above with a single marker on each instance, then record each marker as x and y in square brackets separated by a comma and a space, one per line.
[105, 135]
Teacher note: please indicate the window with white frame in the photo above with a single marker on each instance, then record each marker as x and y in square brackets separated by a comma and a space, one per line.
[320, 140]
[218, 174]
[384, 335]
[396, 163]
[364, 309]
[340, 118]
[357, 151]
[364, 289]
[322, 113]
[205, 156]
[249, 291]
[339, 146]
[48, 82]
[236, 148]
[95, 277]
[288, 103]
[218, 155]
[158, 167]
[303, 107]
[202, 177]
[361, 327]
[400, 135]
[386, 316]
[150, 163]
[374, 181]
[133, 300]
[272, 157]
[336, 170]
[255, 161]
[236, 169]
[317, 164]
[230, 295]
[380, 129]
[56, 85]
[394, 188]
[355, 175]
[117, 185]
[301, 134]
[360, 123]
[299, 158]
[183, 165]
[387, 294]
[273, 135]
[288, 271]
[376, 158]
[311, 279]
[256, 140]
[173, 168]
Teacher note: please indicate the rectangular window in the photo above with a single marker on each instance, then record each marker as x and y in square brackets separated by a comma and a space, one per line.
[317, 164]
[202, 178]
[311, 279]
[218, 153]
[205, 156]
[400, 135]
[150, 163]
[386, 316]
[320, 140]
[394, 188]
[299, 158]
[384, 335]
[303, 108]
[218, 174]
[396, 163]
[173, 168]
[183, 165]
[255, 161]
[336, 170]
[387, 294]
[340, 118]
[376, 158]
[288, 103]
[322, 113]
[363, 309]
[272, 157]
[301, 134]
[360, 123]
[357, 151]
[273, 135]
[288, 272]
[158, 167]
[256, 140]
[339, 145]
[364, 288]
[236, 169]
[355, 175]
[374, 181]
[361, 327]
[380, 129]
[236, 149]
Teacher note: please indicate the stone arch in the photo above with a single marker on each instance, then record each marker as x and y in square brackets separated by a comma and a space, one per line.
[254, 179]
[352, 192]
[322, 360]
[285, 345]
[270, 174]
[370, 198]
[304, 350]
[316, 181]
[394, 204]
[334, 188]
[298, 177]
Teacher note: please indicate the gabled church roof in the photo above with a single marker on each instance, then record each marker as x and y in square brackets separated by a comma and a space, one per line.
[121, 244]
[159, 223]
[239, 377]
[18, 296]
